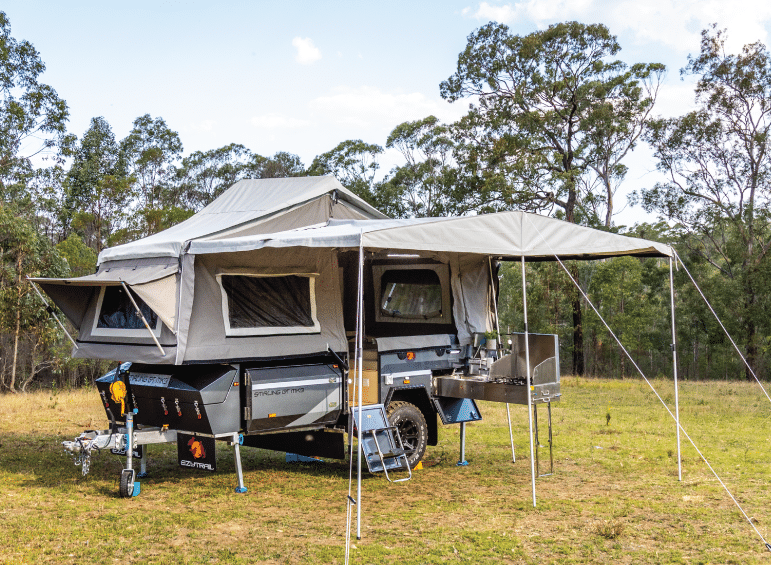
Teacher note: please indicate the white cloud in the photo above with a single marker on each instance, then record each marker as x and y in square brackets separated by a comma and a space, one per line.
[275, 121]
[307, 52]
[667, 23]
[370, 107]
[540, 12]
[205, 125]
[675, 98]
[676, 24]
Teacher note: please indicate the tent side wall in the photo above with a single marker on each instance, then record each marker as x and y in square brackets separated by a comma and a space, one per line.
[207, 339]
[472, 296]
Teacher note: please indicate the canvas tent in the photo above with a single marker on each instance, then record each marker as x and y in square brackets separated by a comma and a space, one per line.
[153, 267]
[190, 278]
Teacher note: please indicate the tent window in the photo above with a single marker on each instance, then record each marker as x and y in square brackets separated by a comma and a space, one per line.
[268, 305]
[411, 294]
[117, 316]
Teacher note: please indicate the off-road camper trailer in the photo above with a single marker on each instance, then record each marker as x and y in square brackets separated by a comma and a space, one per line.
[253, 336]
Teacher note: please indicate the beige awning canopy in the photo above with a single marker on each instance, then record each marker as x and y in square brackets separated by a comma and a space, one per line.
[505, 235]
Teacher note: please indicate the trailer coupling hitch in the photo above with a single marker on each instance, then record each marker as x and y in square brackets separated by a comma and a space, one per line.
[80, 450]
[83, 446]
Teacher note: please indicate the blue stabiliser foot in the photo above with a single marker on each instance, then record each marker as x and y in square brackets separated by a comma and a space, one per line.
[142, 475]
[462, 464]
[137, 489]
[241, 490]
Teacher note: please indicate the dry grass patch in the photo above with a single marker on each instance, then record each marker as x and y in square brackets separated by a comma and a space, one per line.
[614, 497]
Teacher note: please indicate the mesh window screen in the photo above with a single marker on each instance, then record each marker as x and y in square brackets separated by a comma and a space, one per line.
[268, 302]
[118, 313]
[411, 294]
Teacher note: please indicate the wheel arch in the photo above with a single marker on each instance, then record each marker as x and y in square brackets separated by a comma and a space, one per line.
[418, 396]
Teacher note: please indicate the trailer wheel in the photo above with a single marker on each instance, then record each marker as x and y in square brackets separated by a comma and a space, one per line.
[126, 488]
[413, 430]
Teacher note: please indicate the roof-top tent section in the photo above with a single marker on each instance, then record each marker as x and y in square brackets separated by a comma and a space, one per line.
[157, 274]
[252, 207]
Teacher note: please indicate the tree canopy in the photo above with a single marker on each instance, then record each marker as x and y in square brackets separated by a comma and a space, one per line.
[553, 118]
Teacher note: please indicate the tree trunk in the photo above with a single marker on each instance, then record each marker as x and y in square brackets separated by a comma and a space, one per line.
[751, 351]
[17, 329]
[578, 331]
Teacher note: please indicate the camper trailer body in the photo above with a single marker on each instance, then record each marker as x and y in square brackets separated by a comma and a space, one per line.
[264, 318]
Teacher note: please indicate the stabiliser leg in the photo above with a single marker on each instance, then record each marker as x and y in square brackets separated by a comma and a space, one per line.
[462, 461]
[237, 440]
[143, 464]
[128, 487]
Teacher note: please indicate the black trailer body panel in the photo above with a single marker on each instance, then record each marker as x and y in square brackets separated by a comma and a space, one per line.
[292, 396]
[197, 398]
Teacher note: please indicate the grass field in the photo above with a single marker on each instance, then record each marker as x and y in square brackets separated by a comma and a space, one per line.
[614, 497]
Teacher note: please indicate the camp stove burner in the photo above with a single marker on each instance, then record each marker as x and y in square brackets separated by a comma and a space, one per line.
[515, 381]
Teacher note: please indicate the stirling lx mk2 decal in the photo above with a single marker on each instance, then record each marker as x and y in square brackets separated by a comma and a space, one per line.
[196, 452]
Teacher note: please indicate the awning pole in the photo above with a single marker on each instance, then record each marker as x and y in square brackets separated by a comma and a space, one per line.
[360, 377]
[51, 311]
[498, 329]
[142, 316]
[674, 364]
[529, 388]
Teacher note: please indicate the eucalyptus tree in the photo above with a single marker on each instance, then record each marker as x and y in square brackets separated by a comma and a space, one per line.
[549, 106]
[282, 164]
[204, 175]
[152, 151]
[355, 164]
[718, 173]
[97, 188]
[425, 182]
[32, 116]
[545, 105]
[23, 317]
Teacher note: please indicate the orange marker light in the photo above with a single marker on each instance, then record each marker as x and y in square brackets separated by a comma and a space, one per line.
[410, 355]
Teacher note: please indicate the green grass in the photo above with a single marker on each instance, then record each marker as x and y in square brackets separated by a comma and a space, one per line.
[614, 497]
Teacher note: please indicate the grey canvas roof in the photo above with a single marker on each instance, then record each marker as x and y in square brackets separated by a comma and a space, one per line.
[249, 202]
[504, 234]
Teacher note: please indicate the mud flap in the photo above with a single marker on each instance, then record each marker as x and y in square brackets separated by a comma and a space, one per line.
[196, 452]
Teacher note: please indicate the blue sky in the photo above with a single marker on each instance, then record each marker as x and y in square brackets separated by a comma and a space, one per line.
[303, 76]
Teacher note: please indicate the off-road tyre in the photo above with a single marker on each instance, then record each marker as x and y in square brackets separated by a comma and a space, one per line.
[413, 430]
[126, 487]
